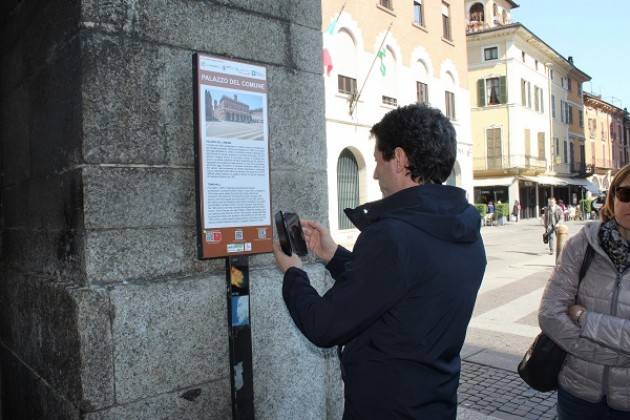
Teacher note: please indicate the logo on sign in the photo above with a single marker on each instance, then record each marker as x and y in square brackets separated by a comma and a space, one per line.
[214, 236]
[262, 233]
[238, 235]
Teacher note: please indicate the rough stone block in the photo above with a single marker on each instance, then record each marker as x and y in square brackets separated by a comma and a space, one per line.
[296, 118]
[169, 335]
[196, 26]
[122, 104]
[213, 402]
[124, 254]
[138, 197]
[15, 136]
[290, 373]
[93, 312]
[62, 334]
[25, 396]
[51, 203]
[31, 51]
[304, 193]
[306, 47]
[57, 253]
[55, 113]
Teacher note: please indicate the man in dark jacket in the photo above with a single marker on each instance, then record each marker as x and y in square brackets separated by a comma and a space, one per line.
[402, 299]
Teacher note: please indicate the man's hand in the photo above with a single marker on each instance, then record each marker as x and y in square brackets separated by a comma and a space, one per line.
[283, 260]
[318, 240]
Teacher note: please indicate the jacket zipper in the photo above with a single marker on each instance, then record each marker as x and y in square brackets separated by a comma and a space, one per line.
[613, 312]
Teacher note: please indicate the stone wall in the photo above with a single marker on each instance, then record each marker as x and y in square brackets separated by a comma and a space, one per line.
[105, 311]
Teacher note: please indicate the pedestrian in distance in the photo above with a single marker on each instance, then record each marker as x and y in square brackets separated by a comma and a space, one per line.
[403, 297]
[516, 210]
[590, 319]
[552, 217]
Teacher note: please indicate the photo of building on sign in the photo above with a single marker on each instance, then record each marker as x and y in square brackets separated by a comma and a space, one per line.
[233, 115]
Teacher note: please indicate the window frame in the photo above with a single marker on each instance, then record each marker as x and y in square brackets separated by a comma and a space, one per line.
[490, 47]
[386, 4]
[353, 85]
[421, 6]
[426, 92]
[450, 105]
[447, 30]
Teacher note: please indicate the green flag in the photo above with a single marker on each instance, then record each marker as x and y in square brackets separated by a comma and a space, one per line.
[331, 27]
[381, 55]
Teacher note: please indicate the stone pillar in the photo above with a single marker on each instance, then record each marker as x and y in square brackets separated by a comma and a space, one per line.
[105, 311]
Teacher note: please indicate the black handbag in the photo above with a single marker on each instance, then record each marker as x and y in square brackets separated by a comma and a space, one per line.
[541, 365]
[546, 237]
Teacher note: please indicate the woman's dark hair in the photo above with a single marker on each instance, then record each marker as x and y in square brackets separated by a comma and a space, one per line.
[426, 136]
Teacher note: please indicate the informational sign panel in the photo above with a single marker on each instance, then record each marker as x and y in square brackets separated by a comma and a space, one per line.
[233, 177]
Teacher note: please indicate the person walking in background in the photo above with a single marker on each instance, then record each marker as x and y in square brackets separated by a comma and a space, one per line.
[552, 217]
[403, 297]
[592, 322]
[516, 210]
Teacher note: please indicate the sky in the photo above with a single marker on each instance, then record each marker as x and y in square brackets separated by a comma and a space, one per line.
[597, 35]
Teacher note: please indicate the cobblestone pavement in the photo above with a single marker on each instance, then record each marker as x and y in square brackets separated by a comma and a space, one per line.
[503, 394]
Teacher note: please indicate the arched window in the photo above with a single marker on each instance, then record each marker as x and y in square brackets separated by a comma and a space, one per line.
[347, 186]
[477, 13]
[422, 82]
[388, 71]
[495, 10]
[345, 59]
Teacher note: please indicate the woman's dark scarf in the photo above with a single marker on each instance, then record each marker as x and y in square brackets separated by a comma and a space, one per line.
[614, 244]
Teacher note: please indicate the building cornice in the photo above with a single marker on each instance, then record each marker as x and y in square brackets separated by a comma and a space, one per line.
[518, 28]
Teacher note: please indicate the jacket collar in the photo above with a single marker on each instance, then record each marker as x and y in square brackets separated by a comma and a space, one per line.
[368, 213]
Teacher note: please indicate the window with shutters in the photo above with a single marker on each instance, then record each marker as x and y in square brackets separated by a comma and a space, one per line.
[449, 98]
[566, 152]
[446, 22]
[493, 142]
[490, 53]
[553, 106]
[346, 85]
[491, 91]
[569, 84]
[422, 91]
[523, 92]
[541, 146]
[528, 143]
[536, 99]
[529, 95]
[347, 186]
[388, 100]
[581, 116]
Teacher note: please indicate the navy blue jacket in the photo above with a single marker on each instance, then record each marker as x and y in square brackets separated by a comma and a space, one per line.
[400, 304]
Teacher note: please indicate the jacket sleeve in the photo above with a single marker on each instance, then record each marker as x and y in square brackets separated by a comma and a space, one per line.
[374, 282]
[607, 330]
[553, 315]
[337, 264]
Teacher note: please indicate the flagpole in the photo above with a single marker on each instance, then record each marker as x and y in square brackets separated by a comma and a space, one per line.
[355, 100]
[334, 22]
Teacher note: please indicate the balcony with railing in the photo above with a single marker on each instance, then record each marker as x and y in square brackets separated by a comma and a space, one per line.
[480, 25]
[604, 163]
[516, 164]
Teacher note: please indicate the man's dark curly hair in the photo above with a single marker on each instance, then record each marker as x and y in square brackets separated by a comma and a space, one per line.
[427, 137]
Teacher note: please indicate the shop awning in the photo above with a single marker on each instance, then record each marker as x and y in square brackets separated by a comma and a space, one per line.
[505, 181]
[562, 182]
[545, 180]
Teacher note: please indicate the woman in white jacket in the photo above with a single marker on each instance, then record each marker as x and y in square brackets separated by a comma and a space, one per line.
[594, 327]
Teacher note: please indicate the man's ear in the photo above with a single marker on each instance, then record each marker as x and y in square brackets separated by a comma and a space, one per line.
[402, 161]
